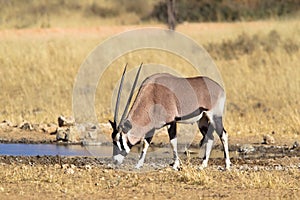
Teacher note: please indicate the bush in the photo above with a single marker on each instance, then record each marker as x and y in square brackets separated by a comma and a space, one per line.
[245, 44]
[223, 10]
[95, 9]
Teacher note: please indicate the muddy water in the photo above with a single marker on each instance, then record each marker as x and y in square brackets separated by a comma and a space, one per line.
[157, 157]
[42, 149]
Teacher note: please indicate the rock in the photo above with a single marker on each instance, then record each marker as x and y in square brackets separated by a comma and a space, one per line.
[88, 167]
[72, 166]
[65, 166]
[68, 134]
[91, 134]
[48, 128]
[73, 134]
[5, 124]
[69, 171]
[26, 126]
[295, 145]
[268, 139]
[63, 121]
[246, 148]
[35, 127]
[61, 134]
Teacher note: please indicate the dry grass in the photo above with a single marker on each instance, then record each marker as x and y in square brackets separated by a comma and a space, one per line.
[52, 181]
[38, 68]
[16, 14]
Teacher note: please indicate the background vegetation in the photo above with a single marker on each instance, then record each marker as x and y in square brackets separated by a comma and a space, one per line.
[66, 13]
[43, 44]
[226, 10]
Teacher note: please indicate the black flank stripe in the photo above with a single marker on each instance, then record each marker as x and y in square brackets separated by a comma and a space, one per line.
[191, 115]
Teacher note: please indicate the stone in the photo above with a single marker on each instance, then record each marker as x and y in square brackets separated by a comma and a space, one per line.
[88, 167]
[61, 134]
[65, 121]
[68, 134]
[246, 148]
[7, 124]
[26, 126]
[64, 166]
[69, 171]
[268, 139]
[73, 135]
[48, 128]
[295, 145]
[72, 166]
[4, 125]
[35, 127]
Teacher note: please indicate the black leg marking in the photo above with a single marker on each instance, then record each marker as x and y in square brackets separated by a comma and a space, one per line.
[209, 136]
[203, 125]
[173, 140]
[206, 128]
[223, 137]
[172, 130]
[219, 125]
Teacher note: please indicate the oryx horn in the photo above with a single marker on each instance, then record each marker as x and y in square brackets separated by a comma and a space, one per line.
[131, 94]
[119, 96]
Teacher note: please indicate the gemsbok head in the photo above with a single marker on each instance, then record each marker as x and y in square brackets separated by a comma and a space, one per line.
[164, 100]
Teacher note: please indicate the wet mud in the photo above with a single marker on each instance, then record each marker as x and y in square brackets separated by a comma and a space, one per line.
[254, 156]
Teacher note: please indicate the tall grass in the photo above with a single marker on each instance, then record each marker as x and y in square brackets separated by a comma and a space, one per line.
[38, 68]
[71, 13]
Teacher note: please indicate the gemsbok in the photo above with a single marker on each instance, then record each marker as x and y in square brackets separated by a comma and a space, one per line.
[164, 100]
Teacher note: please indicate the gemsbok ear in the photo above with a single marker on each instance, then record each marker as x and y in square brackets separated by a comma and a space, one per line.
[126, 126]
[113, 124]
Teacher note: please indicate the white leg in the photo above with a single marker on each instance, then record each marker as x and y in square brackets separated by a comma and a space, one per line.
[175, 154]
[208, 148]
[143, 154]
[209, 141]
[224, 140]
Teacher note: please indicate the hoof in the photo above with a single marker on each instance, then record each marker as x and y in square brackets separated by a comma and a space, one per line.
[138, 166]
[176, 166]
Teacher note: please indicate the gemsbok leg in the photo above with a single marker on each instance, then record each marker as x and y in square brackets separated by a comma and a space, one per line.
[224, 139]
[207, 129]
[173, 140]
[203, 128]
[146, 144]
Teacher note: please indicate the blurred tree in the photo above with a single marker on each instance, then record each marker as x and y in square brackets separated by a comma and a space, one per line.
[171, 14]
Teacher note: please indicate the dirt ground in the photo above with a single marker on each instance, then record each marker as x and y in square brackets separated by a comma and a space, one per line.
[273, 174]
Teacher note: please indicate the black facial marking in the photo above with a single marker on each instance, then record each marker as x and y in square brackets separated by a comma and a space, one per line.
[115, 130]
[121, 142]
[129, 144]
